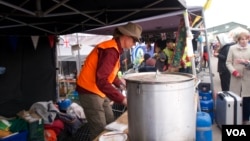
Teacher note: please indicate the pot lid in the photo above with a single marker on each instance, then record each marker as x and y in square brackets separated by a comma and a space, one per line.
[160, 77]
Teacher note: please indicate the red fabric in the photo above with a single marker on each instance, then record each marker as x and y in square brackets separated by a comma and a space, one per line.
[57, 126]
[165, 68]
[182, 63]
[236, 73]
[51, 40]
[205, 56]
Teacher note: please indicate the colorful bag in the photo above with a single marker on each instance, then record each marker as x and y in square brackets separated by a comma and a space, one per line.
[71, 123]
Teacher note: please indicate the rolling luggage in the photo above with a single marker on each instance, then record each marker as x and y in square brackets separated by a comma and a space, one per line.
[228, 109]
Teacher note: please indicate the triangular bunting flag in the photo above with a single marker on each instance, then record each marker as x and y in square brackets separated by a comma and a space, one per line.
[51, 40]
[35, 41]
[198, 19]
[207, 4]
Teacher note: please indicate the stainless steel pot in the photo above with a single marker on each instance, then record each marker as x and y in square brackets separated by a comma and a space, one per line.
[161, 107]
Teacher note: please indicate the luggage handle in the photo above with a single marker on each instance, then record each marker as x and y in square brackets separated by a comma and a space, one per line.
[222, 95]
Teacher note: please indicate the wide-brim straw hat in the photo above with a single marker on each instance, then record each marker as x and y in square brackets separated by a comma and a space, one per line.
[131, 29]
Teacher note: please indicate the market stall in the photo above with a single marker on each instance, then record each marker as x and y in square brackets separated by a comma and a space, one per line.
[30, 31]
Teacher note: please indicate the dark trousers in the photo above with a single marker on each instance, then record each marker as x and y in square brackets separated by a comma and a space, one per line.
[225, 80]
[246, 108]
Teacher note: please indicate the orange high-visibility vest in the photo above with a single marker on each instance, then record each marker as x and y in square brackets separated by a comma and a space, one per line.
[87, 76]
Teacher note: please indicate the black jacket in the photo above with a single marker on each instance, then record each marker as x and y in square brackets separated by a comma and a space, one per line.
[222, 58]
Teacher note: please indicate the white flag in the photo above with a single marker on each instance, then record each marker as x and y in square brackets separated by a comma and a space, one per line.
[35, 41]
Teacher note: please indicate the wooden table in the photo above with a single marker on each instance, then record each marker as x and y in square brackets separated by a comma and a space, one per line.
[67, 80]
[66, 85]
[122, 119]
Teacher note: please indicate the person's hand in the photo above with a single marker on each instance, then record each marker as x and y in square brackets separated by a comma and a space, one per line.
[245, 61]
[124, 61]
[216, 54]
[122, 87]
[241, 61]
[111, 103]
[123, 81]
[124, 102]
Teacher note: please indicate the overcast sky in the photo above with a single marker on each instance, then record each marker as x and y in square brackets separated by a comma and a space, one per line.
[224, 11]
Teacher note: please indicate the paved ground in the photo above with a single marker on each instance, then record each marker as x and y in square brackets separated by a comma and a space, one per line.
[217, 87]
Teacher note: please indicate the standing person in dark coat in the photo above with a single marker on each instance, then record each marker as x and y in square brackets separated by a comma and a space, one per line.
[224, 73]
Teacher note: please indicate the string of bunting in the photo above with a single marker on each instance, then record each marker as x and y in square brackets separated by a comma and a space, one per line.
[35, 39]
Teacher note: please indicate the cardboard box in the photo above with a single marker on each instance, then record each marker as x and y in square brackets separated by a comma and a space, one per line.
[35, 125]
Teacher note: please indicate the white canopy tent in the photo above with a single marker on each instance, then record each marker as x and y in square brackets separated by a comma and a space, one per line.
[75, 47]
[85, 41]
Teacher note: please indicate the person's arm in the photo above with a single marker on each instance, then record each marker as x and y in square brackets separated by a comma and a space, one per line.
[229, 63]
[120, 83]
[222, 54]
[107, 60]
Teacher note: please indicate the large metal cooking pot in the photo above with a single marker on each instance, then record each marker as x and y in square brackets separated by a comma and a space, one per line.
[161, 107]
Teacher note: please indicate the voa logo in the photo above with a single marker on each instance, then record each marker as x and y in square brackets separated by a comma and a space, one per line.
[236, 132]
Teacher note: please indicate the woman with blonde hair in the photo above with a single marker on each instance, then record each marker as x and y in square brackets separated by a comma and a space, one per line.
[237, 59]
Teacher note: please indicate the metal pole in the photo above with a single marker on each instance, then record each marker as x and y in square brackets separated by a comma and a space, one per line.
[57, 72]
[201, 52]
[209, 60]
[78, 56]
[189, 41]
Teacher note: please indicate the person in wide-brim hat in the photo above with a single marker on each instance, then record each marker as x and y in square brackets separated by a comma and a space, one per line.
[129, 29]
[98, 76]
